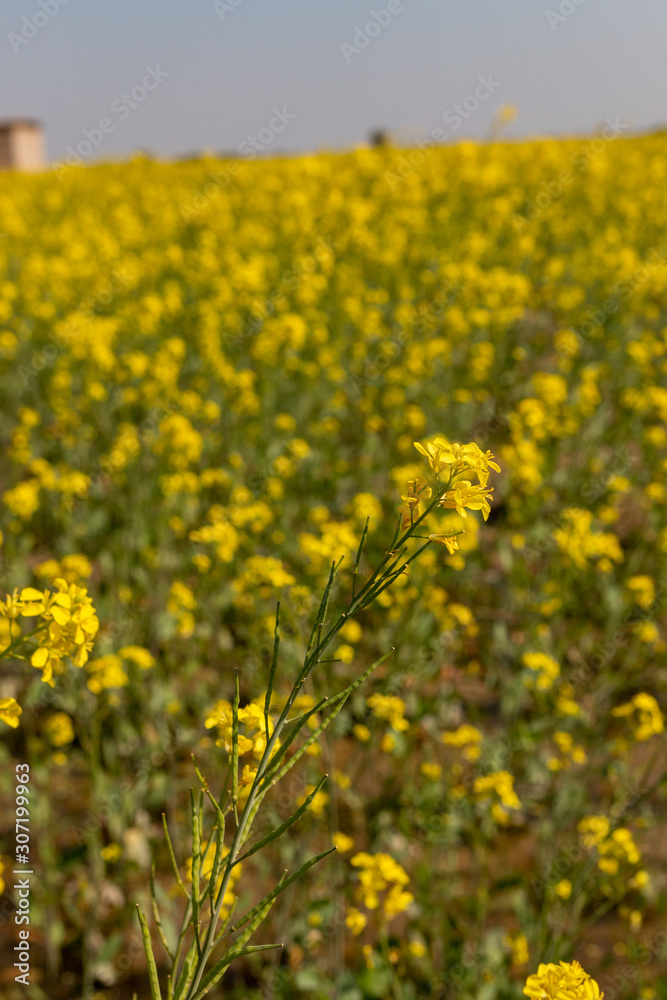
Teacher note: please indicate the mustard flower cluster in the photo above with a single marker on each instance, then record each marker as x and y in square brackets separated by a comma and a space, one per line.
[615, 848]
[71, 629]
[450, 460]
[10, 712]
[545, 670]
[251, 737]
[565, 981]
[390, 708]
[382, 883]
[111, 671]
[499, 787]
[66, 627]
[643, 712]
[581, 543]
[466, 738]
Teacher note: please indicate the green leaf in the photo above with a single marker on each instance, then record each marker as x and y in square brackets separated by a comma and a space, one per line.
[174, 865]
[219, 969]
[202, 779]
[272, 672]
[324, 603]
[150, 957]
[280, 888]
[219, 846]
[156, 915]
[355, 571]
[187, 974]
[279, 830]
[387, 582]
[251, 948]
[235, 744]
[196, 865]
[273, 776]
[295, 728]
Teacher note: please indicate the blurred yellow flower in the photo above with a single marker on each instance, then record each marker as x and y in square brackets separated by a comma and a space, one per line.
[59, 729]
[647, 717]
[10, 711]
[355, 921]
[342, 842]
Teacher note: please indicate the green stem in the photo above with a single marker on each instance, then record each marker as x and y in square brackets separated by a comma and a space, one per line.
[378, 581]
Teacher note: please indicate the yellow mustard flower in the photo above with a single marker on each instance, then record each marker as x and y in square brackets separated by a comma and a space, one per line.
[342, 842]
[10, 710]
[466, 738]
[417, 491]
[458, 458]
[391, 708]
[382, 882]
[647, 717]
[59, 729]
[355, 920]
[498, 784]
[545, 668]
[565, 981]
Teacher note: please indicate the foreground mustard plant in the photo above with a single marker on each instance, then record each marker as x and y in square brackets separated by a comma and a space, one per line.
[209, 918]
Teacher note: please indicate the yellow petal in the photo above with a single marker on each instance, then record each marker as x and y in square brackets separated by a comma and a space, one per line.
[9, 713]
[61, 615]
[39, 657]
[30, 610]
[31, 594]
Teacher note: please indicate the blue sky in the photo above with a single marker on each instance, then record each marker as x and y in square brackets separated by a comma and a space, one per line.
[223, 68]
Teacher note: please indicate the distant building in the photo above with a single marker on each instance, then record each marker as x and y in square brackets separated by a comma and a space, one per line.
[21, 145]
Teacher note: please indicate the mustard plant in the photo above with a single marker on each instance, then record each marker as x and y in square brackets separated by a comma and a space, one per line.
[210, 939]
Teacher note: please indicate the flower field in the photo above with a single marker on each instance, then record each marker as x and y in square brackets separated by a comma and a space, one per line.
[214, 374]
